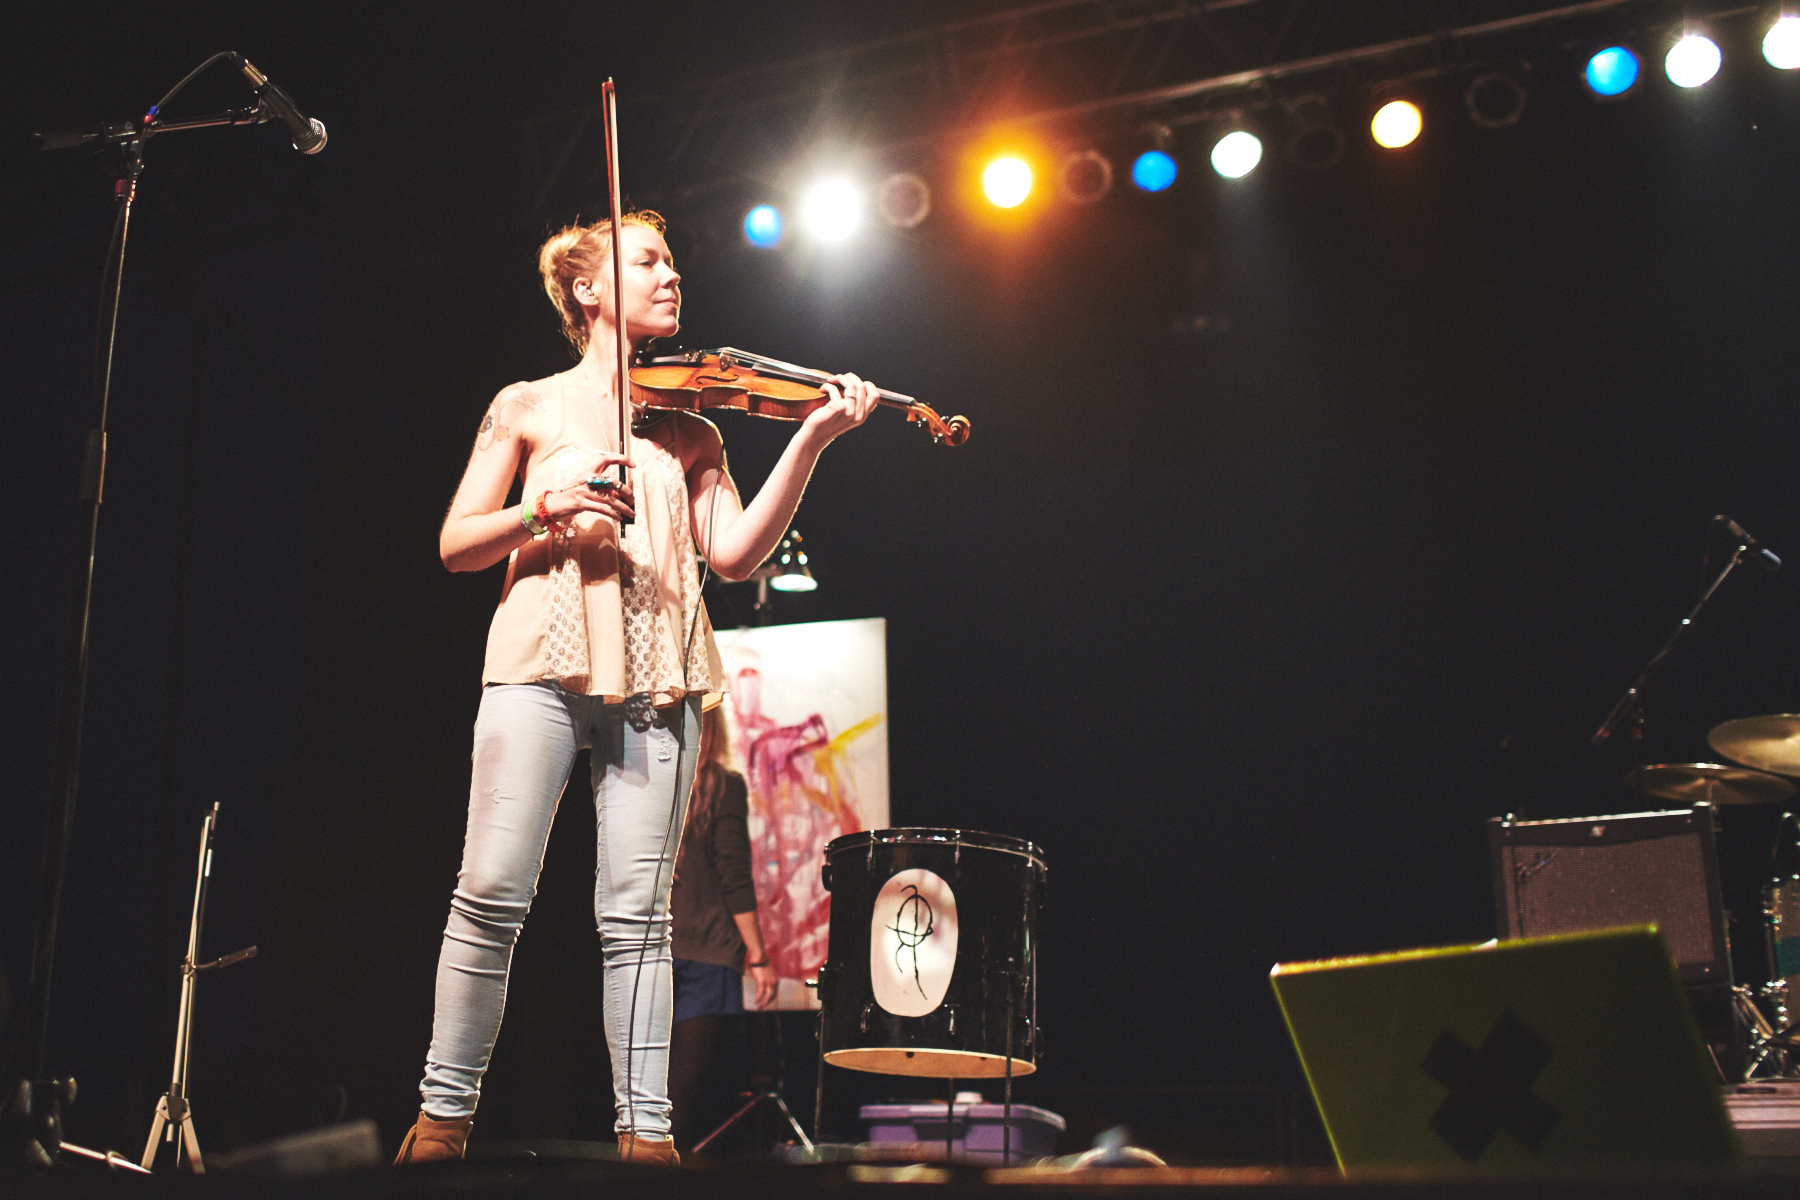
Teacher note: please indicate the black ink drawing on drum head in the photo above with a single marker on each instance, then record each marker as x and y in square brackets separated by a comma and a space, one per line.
[912, 939]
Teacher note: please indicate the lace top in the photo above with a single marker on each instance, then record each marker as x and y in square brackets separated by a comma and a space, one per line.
[601, 617]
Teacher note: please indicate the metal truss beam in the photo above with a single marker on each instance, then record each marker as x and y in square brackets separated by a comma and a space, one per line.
[1058, 63]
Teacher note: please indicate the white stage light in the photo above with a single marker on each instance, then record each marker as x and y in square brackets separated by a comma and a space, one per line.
[1236, 154]
[1692, 61]
[1781, 45]
[831, 210]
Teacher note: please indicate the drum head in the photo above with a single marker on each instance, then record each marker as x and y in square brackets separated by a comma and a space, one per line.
[930, 1064]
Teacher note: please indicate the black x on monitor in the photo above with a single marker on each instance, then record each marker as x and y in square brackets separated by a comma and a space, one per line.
[1509, 1056]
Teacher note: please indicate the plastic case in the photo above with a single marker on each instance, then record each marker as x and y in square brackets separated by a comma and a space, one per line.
[975, 1137]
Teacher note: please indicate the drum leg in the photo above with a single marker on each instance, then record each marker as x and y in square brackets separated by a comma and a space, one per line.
[950, 1123]
[819, 1084]
[1006, 1115]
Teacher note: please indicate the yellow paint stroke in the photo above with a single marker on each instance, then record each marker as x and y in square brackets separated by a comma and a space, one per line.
[834, 797]
[837, 744]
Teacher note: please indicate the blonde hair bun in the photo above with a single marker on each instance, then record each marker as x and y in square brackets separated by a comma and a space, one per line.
[584, 252]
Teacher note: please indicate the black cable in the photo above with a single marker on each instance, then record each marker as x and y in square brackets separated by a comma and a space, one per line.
[113, 266]
[687, 652]
[156, 109]
[113, 256]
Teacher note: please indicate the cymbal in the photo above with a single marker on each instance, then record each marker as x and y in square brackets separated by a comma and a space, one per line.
[1709, 783]
[1770, 743]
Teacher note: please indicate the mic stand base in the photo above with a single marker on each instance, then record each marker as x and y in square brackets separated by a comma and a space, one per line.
[174, 1115]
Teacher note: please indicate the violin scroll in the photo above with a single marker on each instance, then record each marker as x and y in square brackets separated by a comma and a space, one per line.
[953, 432]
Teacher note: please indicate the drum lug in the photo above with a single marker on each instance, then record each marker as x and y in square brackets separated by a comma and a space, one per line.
[950, 1016]
[825, 874]
[865, 1017]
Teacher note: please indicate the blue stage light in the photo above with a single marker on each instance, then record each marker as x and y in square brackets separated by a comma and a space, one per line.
[1154, 171]
[762, 226]
[1613, 71]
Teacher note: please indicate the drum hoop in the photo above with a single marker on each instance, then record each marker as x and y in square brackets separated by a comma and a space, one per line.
[970, 838]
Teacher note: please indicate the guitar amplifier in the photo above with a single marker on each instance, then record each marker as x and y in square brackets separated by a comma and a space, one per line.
[1655, 868]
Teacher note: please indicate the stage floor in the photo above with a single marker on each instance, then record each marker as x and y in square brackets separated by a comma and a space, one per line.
[768, 1181]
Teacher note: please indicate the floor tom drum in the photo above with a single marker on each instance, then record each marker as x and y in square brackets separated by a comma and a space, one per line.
[932, 966]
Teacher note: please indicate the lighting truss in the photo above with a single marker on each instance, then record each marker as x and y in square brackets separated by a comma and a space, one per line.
[1070, 64]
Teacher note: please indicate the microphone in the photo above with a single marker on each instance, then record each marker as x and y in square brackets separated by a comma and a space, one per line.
[1765, 558]
[308, 133]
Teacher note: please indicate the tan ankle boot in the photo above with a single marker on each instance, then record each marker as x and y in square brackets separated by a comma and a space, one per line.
[434, 1141]
[633, 1148]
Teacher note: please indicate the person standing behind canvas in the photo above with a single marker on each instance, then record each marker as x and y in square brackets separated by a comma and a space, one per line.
[717, 937]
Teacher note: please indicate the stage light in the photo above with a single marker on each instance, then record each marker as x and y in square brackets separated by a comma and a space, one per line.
[1781, 45]
[1317, 142]
[1084, 176]
[786, 570]
[1007, 181]
[903, 200]
[1692, 61]
[762, 226]
[1154, 171]
[831, 210]
[1495, 100]
[1612, 71]
[1236, 154]
[1397, 123]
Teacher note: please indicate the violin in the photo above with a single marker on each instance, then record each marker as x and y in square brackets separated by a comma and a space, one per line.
[762, 387]
[725, 378]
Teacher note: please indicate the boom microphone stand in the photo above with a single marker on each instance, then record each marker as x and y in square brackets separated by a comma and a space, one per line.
[32, 1113]
[1627, 709]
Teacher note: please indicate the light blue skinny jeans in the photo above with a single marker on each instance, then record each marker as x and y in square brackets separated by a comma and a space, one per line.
[526, 738]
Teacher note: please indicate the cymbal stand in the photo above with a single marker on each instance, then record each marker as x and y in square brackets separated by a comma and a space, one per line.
[174, 1121]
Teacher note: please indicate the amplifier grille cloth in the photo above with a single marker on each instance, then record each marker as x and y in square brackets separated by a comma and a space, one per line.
[1566, 889]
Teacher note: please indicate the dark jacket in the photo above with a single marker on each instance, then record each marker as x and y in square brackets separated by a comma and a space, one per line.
[712, 872]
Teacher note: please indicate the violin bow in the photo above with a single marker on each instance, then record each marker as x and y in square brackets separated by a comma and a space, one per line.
[609, 103]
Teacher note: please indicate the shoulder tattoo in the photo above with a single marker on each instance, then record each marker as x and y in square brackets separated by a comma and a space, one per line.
[503, 415]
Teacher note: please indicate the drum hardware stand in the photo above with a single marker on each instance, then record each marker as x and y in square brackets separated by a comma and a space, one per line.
[755, 1099]
[1767, 1044]
[1006, 1115]
[764, 1095]
[819, 1083]
[174, 1120]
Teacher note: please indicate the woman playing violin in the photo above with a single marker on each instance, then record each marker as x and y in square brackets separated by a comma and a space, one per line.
[601, 641]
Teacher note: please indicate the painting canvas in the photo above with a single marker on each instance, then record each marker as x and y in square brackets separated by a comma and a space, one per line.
[807, 710]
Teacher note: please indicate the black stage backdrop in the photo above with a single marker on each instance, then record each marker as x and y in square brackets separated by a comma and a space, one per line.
[1250, 631]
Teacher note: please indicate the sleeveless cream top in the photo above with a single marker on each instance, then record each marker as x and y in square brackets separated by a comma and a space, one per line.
[621, 622]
